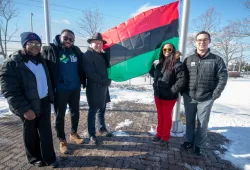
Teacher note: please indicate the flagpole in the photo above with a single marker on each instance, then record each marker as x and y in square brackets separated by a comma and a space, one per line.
[47, 21]
[31, 22]
[177, 126]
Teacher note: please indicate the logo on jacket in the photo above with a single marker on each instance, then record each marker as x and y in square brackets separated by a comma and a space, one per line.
[192, 64]
[64, 59]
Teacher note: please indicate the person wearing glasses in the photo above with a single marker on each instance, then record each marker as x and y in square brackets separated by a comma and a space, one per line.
[169, 80]
[96, 63]
[64, 61]
[25, 82]
[207, 77]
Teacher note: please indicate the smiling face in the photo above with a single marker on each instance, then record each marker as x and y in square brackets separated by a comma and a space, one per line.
[67, 39]
[167, 50]
[97, 45]
[202, 41]
[33, 47]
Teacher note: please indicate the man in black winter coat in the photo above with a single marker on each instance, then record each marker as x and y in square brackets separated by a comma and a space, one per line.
[64, 61]
[95, 66]
[25, 82]
[207, 78]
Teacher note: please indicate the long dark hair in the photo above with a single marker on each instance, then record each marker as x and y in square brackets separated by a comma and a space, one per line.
[167, 62]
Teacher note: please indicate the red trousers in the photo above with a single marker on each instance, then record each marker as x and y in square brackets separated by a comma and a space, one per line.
[164, 115]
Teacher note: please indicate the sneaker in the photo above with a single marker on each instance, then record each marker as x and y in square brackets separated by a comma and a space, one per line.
[155, 139]
[38, 163]
[106, 133]
[94, 140]
[197, 151]
[63, 147]
[186, 145]
[162, 142]
[74, 137]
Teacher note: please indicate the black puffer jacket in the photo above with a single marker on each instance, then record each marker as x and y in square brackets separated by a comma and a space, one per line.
[207, 76]
[50, 54]
[19, 86]
[168, 84]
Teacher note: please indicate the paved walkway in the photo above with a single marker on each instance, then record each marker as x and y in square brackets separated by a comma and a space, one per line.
[135, 151]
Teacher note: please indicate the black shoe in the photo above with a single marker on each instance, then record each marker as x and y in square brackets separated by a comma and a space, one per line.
[197, 151]
[155, 139]
[94, 140]
[187, 145]
[38, 163]
[54, 164]
[105, 132]
[162, 142]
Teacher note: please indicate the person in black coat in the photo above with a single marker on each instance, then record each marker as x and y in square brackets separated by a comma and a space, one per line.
[207, 77]
[25, 82]
[64, 61]
[95, 66]
[169, 80]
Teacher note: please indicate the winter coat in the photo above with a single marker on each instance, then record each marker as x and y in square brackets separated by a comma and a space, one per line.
[95, 66]
[207, 76]
[19, 86]
[51, 54]
[168, 84]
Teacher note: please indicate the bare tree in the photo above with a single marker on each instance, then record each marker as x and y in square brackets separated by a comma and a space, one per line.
[241, 28]
[209, 21]
[223, 42]
[90, 22]
[247, 4]
[228, 47]
[7, 12]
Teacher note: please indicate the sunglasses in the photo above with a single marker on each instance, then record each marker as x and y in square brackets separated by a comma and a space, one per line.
[167, 49]
[67, 38]
[34, 44]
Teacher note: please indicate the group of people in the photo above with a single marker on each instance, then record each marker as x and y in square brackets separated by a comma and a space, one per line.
[200, 79]
[34, 77]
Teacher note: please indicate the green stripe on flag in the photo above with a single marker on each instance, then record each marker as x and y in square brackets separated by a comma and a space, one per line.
[138, 65]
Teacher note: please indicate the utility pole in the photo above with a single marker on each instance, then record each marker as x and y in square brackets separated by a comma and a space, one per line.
[31, 22]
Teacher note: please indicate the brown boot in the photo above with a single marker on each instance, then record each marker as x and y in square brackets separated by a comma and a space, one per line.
[63, 147]
[74, 137]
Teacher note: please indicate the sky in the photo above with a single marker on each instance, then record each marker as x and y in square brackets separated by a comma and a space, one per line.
[230, 118]
[66, 14]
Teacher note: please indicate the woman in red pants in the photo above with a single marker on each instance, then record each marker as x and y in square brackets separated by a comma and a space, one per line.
[169, 80]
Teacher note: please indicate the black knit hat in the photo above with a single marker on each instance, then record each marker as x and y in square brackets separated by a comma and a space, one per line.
[29, 36]
[97, 36]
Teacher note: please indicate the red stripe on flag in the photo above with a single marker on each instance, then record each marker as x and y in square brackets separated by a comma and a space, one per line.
[143, 22]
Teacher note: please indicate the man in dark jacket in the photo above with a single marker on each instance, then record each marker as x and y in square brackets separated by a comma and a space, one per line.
[65, 65]
[95, 66]
[25, 82]
[207, 78]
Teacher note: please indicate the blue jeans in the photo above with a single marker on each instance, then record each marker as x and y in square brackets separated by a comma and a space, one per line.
[91, 119]
[202, 110]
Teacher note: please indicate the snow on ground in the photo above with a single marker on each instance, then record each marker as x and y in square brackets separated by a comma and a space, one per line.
[231, 118]
[230, 115]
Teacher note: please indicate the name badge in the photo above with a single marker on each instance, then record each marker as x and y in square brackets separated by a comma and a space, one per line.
[192, 64]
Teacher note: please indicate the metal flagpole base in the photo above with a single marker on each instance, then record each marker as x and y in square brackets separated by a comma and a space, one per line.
[177, 127]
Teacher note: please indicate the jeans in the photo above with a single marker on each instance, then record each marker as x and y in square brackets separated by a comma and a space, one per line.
[202, 111]
[92, 117]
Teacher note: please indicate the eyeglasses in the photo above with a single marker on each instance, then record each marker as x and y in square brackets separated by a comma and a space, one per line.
[167, 49]
[202, 40]
[67, 38]
[34, 44]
